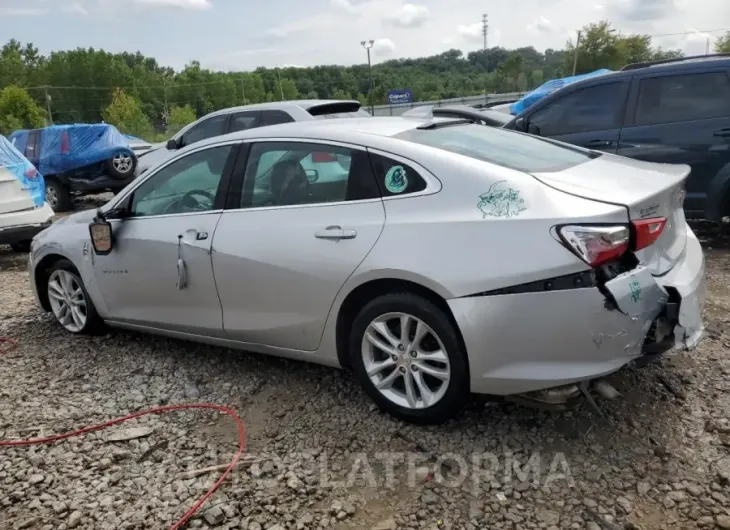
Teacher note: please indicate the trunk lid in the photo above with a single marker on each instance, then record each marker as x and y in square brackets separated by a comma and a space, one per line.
[646, 189]
[14, 197]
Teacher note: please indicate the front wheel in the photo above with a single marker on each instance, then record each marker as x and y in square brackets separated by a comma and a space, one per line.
[69, 301]
[408, 356]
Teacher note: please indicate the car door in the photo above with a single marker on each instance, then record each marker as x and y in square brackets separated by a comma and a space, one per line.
[159, 273]
[287, 246]
[683, 118]
[587, 116]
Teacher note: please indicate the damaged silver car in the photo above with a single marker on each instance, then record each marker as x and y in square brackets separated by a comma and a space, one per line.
[431, 257]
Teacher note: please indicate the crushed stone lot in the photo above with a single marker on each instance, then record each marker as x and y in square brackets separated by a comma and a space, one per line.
[317, 449]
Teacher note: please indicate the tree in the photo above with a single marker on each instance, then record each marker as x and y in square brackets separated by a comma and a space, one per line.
[722, 44]
[19, 111]
[125, 113]
[179, 118]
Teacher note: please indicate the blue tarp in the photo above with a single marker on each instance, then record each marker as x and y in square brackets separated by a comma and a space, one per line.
[23, 170]
[69, 147]
[548, 88]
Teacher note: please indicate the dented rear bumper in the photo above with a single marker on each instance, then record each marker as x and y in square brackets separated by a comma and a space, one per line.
[519, 343]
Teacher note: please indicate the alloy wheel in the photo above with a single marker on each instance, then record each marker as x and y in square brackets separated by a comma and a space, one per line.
[51, 196]
[122, 162]
[406, 360]
[68, 300]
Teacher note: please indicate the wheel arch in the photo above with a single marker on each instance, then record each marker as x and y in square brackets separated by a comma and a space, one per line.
[718, 195]
[41, 273]
[370, 289]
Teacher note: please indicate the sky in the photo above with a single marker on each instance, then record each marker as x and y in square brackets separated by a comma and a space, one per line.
[243, 34]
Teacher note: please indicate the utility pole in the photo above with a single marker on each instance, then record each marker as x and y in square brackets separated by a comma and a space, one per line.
[164, 93]
[48, 106]
[575, 58]
[485, 30]
[367, 45]
[707, 48]
[281, 89]
[243, 89]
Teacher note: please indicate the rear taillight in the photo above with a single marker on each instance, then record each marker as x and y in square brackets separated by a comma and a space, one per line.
[596, 244]
[323, 157]
[647, 231]
[31, 173]
[65, 143]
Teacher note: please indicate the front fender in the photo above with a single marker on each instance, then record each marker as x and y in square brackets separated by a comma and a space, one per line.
[718, 193]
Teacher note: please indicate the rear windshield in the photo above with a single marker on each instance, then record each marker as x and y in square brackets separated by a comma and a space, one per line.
[356, 114]
[529, 154]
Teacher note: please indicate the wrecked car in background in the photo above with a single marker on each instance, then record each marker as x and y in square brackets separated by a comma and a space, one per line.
[78, 159]
[436, 258]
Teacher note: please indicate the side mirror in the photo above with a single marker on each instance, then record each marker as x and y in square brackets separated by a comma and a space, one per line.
[520, 125]
[172, 144]
[101, 237]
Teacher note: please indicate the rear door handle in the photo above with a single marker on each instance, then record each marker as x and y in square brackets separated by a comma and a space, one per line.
[335, 232]
[599, 143]
[723, 133]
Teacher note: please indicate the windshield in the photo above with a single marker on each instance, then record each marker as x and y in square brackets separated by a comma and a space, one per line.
[510, 149]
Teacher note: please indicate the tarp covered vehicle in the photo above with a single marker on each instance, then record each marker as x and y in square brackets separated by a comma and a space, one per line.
[81, 158]
[23, 209]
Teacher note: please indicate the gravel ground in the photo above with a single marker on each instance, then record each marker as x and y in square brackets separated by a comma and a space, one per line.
[321, 456]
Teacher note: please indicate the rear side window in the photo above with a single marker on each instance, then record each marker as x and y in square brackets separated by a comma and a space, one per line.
[243, 121]
[595, 108]
[523, 152]
[31, 148]
[272, 117]
[395, 178]
[683, 97]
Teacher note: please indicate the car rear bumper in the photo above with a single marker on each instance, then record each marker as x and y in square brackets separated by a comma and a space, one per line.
[519, 343]
[18, 227]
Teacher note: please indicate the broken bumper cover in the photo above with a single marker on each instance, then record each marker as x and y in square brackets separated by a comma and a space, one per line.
[519, 343]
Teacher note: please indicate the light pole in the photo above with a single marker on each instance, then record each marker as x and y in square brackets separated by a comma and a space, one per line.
[367, 45]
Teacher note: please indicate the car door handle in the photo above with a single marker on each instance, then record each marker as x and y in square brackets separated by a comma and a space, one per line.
[199, 236]
[335, 232]
[723, 133]
[599, 143]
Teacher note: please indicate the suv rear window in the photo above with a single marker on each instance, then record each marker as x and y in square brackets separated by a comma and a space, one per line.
[510, 149]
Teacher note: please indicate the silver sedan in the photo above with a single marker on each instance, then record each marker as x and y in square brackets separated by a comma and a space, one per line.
[431, 257]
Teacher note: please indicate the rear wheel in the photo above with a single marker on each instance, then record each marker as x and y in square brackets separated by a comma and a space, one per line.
[408, 356]
[122, 165]
[70, 303]
[58, 195]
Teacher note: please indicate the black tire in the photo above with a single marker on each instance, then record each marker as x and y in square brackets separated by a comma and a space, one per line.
[457, 391]
[21, 246]
[94, 324]
[58, 195]
[117, 173]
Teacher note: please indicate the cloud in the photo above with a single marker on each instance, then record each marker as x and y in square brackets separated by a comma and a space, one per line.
[541, 25]
[471, 32]
[383, 47]
[183, 4]
[22, 11]
[76, 8]
[408, 16]
[643, 10]
[343, 5]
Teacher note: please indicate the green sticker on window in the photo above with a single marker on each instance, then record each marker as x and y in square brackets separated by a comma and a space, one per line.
[396, 180]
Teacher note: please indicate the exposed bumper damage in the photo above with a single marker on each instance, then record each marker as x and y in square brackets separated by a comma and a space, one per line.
[525, 343]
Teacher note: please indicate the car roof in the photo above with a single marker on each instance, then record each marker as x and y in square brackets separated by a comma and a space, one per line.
[305, 104]
[360, 131]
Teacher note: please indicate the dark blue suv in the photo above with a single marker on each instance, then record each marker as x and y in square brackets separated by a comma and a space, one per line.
[675, 112]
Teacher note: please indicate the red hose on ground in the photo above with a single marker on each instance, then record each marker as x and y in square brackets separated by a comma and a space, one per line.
[157, 410]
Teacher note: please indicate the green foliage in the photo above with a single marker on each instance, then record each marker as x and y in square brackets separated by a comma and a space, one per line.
[82, 82]
[722, 44]
[179, 118]
[19, 111]
[125, 113]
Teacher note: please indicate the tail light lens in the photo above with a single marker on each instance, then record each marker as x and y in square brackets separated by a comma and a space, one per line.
[31, 173]
[65, 143]
[596, 244]
[647, 231]
[323, 157]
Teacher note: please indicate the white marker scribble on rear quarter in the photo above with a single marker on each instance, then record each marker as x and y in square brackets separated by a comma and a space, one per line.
[500, 201]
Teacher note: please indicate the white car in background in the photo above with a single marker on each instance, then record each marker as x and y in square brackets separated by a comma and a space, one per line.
[23, 208]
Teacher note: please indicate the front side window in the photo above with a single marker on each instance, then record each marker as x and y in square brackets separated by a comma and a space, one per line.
[595, 108]
[683, 97]
[293, 173]
[188, 184]
[213, 126]
[510, 149]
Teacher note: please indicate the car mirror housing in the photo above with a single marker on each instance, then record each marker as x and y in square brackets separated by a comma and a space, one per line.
[101, 236]
[172, 144]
